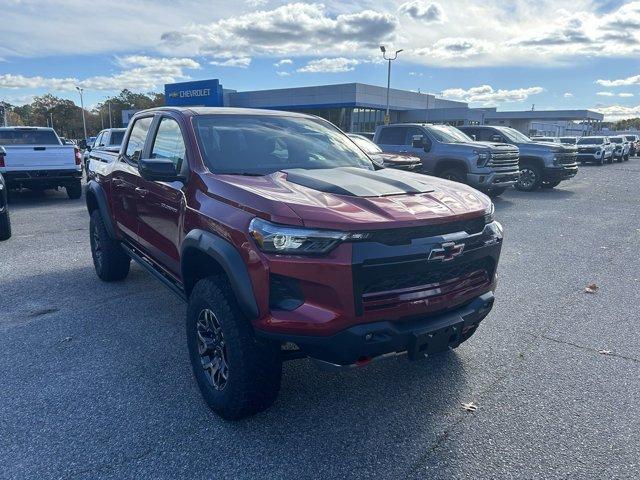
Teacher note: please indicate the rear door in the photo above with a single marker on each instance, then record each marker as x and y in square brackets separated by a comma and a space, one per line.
[161, 208]
[125, 196]
[391, 139]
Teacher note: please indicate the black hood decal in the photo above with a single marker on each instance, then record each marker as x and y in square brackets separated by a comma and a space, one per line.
[359, 182]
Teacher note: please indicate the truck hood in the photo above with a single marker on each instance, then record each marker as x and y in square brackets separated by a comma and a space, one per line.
[542, 148]
[351, 198]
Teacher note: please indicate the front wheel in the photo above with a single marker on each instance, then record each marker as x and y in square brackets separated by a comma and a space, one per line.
[74, 190]
[238, 373]
[453, 174]
[5, 225]
[110, 261]
[530, 178]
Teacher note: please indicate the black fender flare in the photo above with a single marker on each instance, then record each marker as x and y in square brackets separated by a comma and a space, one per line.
[228, 257]
[95, 192]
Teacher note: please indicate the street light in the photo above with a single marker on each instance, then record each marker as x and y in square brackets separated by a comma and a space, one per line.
[383, 49]
[84, 122]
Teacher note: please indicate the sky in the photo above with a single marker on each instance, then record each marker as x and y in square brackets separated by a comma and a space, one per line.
[508, 54]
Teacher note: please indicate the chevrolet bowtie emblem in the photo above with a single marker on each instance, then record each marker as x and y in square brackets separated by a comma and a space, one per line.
[448, 251]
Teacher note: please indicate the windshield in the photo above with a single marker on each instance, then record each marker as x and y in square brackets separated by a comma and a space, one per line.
[448, 134]
[616, 139]
[631, 138]
[263, 144]
[590, 140]
[116, 137]
[569, 141]
[365, 144]
[28, 137]
[514, 135]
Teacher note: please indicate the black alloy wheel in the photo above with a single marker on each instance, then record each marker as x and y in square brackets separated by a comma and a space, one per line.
[212, 349]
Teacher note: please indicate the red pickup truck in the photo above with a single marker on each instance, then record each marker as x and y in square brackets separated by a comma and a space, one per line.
[288, 242]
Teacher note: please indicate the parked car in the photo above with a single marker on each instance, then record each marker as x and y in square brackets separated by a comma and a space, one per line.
[568, 140]
[634, 144]
[35, 158]
[596, 149]
[621, 148]
[5, 220]
[448, 153]
[390, 160]
[276, 229]
[105, 148]
[541, 164]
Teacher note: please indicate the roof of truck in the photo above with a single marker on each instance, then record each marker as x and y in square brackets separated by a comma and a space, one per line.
[20, 127]
[194, 111]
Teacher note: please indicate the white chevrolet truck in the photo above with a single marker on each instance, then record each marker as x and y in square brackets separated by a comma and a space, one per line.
[35, 158]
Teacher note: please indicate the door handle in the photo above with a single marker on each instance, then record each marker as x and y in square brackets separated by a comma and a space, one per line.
[141, 191]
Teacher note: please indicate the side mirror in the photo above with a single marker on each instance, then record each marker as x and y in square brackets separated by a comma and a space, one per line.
[417, 141]
[158, 170]
[496, 138]
[473, 137]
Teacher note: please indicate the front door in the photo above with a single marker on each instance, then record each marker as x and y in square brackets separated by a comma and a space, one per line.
[162, 206]
[124, 181]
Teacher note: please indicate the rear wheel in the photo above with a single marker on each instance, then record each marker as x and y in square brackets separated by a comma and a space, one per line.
[110, 261]
[454, 174]
[74, 190]
[530, 177]
[238, 373]
[5, 224]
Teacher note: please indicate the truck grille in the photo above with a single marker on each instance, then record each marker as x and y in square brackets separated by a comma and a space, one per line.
[568, 158]
[404, 236]
[421, 281]
[504, 159]
[587, 150]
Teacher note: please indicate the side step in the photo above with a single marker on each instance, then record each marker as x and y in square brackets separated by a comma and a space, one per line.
[168, 282]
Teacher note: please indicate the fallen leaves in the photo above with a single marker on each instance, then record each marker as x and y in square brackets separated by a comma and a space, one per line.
[469, 407]
[591, 288]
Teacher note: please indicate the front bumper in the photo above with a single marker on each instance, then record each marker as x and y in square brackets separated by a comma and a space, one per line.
[553, 174]
[487, 181]
[361, 343]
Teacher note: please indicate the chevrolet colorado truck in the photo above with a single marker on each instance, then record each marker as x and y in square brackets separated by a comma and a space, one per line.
[5, 220]
[621, 148]
[287, 241]
[541, 164]
[36, 158]
[446, 152]
[105, 147]
[596, 150]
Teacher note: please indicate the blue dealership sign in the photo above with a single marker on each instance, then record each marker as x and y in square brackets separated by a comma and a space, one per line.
[205, 93]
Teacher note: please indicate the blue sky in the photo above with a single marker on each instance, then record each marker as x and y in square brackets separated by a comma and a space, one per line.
[560, 54]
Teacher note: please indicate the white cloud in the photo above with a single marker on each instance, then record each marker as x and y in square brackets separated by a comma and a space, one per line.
[455, 48]
[139, 72]
[605, 94]
[427, 12]
[330, 65]
[625, 95]
[620, 82]
[284, 61]
[282, 73]
[487, 95]
[618, 112]
[568, 95]
[241, 62]
[415, 74]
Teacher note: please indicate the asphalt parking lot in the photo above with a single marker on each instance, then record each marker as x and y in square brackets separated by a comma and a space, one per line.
[96, 380]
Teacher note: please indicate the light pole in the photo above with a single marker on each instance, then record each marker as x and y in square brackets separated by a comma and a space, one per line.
[387, 118]
[109, 103]
[84, 122]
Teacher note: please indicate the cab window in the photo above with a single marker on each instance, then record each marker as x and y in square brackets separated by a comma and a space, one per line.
[169, 143]
[138, 135]
[392, 136]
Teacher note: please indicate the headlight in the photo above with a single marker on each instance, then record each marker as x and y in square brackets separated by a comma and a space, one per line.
[483, 157]
[274, 238]
[489, 214]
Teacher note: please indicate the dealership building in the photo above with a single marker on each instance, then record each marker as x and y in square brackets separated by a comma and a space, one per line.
[358, 107]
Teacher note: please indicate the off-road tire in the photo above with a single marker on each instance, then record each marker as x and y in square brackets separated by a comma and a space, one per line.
[74, 190]
[496, 192]
[109, 259]
[626, 158]
[551, 184]
[254, 364]
[453, 174]
[526, 183]
[5, 225]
